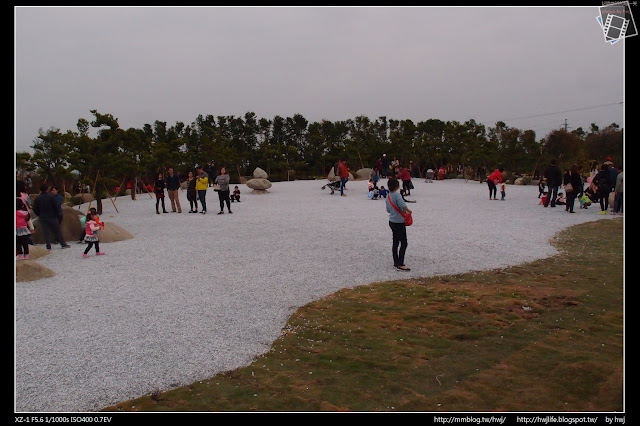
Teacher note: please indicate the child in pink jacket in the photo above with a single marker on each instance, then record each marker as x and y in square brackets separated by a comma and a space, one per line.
[23, 230]
[91, 237]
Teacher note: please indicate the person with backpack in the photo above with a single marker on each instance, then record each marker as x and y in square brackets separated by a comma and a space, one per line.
[601, 180]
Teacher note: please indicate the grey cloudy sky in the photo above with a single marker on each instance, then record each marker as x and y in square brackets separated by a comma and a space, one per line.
[532, 67]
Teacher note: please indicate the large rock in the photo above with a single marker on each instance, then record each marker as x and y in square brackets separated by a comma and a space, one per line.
[113, 233]
[364, 174]
[83, 198]
[258, 173]
[332, 177]
[30, 270]
[36, 252]
[70, 226]
[259, 185]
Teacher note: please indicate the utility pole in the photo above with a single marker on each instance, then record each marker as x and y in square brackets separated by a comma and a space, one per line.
[565, 124]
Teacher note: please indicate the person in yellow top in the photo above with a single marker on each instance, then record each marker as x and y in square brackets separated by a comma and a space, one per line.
[202, 183]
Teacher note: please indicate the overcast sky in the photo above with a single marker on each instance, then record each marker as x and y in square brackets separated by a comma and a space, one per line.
[531, 67]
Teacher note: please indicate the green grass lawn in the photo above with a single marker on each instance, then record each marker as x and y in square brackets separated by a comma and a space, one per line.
[543, 336]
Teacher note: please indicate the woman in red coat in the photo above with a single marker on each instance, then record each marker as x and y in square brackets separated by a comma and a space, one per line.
[493, 179]
[405, 176]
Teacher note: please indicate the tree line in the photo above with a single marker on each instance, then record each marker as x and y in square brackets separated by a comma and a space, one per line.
[292, 147]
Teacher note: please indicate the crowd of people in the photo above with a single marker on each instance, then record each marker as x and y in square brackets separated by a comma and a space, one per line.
[196, 187]
[47, 207]
[564, 188]
[554, 188]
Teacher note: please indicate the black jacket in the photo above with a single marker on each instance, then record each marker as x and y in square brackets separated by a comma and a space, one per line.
[191, 189]
[159, 188]
[553, 175]
[173, 182]
[576, 181]
[46, 206]
[601, 180]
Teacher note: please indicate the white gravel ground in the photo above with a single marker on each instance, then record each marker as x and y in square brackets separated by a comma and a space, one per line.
[194, 295]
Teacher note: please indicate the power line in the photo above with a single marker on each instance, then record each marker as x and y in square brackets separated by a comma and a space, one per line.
[563, 112]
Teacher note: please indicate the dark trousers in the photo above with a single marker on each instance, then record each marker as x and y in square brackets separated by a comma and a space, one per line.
[552, 195]
[399, 246]
[617, 203]
[223, 196]
[571, 198]
[51, 225]
[493, 190]
[158, 204]
[202, 195]
[407, 186]
[603, 194]
[22, 244]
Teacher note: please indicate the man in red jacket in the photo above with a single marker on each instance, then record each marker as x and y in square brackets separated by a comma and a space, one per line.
[343, 172]
[493, 179]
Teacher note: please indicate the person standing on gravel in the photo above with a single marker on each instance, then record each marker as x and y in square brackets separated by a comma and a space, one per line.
[553, 175]
[493, 180]
[576, 181]
[192, 193]
[223, 180]
[343, 172]
[617, 201]
[49, 214]
[159, 190]
[604, 187]
[173, 185]
[397, 224]
[202, 183]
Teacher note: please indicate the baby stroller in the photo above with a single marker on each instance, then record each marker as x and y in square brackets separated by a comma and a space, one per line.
[333, 186]
[429, 176]
[403, 194]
